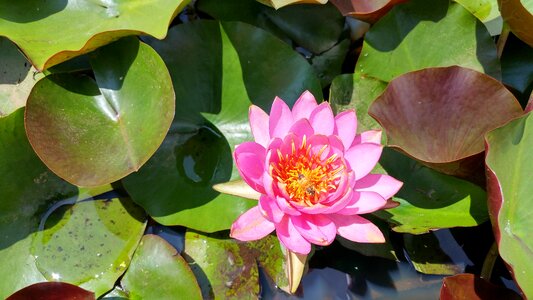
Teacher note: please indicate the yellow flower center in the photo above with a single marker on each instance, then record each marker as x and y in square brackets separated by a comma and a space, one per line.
[307, 177]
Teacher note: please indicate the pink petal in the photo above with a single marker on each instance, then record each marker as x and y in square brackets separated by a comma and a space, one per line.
[251, 226]
[384, 185]
[363, 158]
[302, 128]
[280, 119]
[371, 136]
[286, 207]
[270, 209]
[322, 119]
[259, 125]
[346, 127]
[357, 229]
[291, 238]
[250, 159]
[363, 203]
[316, 229]
[304, 106]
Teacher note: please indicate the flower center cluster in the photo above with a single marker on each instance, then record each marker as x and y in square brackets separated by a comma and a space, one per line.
[306, 176]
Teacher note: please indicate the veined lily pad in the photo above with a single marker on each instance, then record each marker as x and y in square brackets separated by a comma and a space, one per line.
[46, 33]
[234, 65]
[96, 132]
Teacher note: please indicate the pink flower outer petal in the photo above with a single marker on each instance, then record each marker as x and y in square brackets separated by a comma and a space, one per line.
[251, 226]
[259, 124]
[280, 119]
[370, 136]
[316, 229]
[304, 106]
[291, 238]
[363, 203]
[363, 158]
[322, 119]
[249, 158]
[357, 229]
[302, 128]
[270, 209]
[382, 184]
[346, 127]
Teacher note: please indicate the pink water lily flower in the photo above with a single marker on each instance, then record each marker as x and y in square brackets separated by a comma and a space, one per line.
[312, 171]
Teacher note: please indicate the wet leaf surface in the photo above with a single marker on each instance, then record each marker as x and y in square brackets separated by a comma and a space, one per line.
[45, 32]
[93, 132]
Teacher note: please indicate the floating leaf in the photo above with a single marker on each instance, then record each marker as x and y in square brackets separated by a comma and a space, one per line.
[16, 78]
[239, 62]
[509, 169]
[427, 256]
[46, 34]
[96, 132]
[487, 12]
[157, 271]
[404, 41]
[469, 286]
[366, 10]
[281, 3]
[52, 291]
[224, 268]
[519, 15]
[430, 200]
[441, 126]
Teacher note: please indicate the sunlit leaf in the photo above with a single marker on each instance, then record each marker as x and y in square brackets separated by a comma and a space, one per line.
[46, 33]
[509, 168]
[487, 12]
[230, 65]
[93, 132]
[519, 15]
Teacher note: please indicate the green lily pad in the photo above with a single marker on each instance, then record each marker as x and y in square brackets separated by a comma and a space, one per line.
[509, 168]
[95, 132]
[16, 78]
[46, 33]
[157, 271]
[366, 10]
[430, 200]
[89, 244]
[519, 15]
[440, 126]
[487, 12]
[404, 41]
[270, 257]
[425, 253]
[224, 268]
[229, 63]
[51, 291]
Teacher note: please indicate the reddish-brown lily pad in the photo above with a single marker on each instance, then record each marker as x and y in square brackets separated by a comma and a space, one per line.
[366, 10]
[469, 286]
[519, 15]
[440, 115]
[52, 291]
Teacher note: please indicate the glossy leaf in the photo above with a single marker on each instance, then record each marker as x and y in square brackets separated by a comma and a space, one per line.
[45, 32]
[430, 200]
[519, 15]
[224, 268]
[52, 291]
[462, 40]
[366, 10]
[270, 257]
[487, 12]
[442, 126]
[509, 189]
[96, 132]
[281, 3]
[427, 256]
[238, 62]
[157, 271]
[16, 78]
[470, 286]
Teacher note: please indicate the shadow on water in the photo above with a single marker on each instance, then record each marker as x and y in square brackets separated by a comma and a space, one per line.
[30, 10]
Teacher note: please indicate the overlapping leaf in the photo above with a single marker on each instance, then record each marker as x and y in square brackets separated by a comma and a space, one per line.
[52, 291]
[281, 3]
[96, 132]
[50, 32]
[487, 12]
[519, 15]
[231, 64]
[509, 169]
[367, 10]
